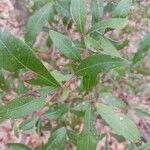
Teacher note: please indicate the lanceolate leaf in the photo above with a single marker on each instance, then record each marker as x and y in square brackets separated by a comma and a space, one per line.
[103, 44]
[119, 122]
[89, 81]
[88, 139]
[143, 48]
[37, 22]
[28, 124]
[63, 8]
[108, 47]
[65, 45]
[39, 3]
[78, 10]
[110, 99]
[17, 146]
[60, 77]
[122, 8]
[98, 63]
[15, 55]
[90, 43]
[56, 112]
[21, 107]
[57, 140]
[115, 23]
[97, 9]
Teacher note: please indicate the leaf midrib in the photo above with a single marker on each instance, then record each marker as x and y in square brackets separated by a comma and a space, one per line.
[22, 63]
[68, 49]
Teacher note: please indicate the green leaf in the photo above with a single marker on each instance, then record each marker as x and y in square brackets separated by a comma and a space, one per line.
[108, 47]
[114, 23]
[28, 124]
[89, 82]
[97, 8]
[100, 42]
[72, 135]
[79, 108]
[122, 9]
[109, 7]
[141, 112]
[65, 94]
[17, 146]
[21, 107]
[60, 77]
[119, 138]
[63, 8]
[57, 140]
[56, 111]
[3, 83]
[143, 48]
[98, 63]
[78, 10]
[16, 55]
[39, 3]
[37, 22]
[110, 99]
[65, 45]
[122, 45]
[46, 90]
[91, 42]
[145, 146]
[119, 122]
[88, 138]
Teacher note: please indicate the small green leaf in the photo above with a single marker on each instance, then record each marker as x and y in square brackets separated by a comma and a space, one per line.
[145, 146]
[98, 63]
[91, 42]
[122, 9]
[89, 81]
[114, 23]
[39, 3]
[73, 136]
[88, 138]
[141, 112]
[143, 48]
[63, 8]
[17, 146]
[56, 111]
[65, 45]
[16, 55]
[119, 122]
[78, 10]
[37, 22]
[100, 42]
[97, 8]
[109, 7]
[65, 94]
[60, 77]
[110, 99]
[46, 90]
[28, 124]
[21, 107]
[57, 140]
[79, 108]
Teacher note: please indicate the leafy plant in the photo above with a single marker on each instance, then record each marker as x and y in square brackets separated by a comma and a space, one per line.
[92, 55]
